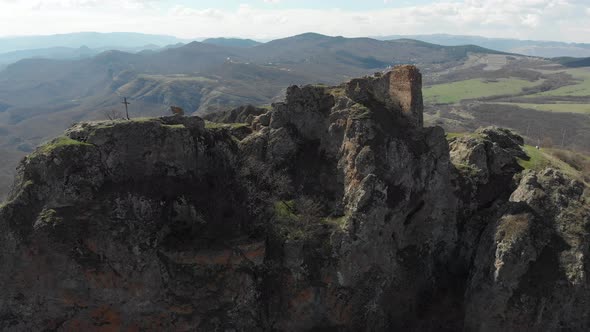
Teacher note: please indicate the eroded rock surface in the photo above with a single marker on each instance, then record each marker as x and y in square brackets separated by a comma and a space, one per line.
[531, 268]
[333, 210]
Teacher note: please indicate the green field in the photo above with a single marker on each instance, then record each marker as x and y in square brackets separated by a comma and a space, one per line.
[580, 89]
[451, 93]
[559, 108]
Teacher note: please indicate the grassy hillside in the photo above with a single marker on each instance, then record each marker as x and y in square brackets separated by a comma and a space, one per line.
[573, 62]
[573, 164]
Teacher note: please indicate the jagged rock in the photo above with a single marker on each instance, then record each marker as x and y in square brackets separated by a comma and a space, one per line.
[486, 163]
[335, 210]
[306, 109]
[505, 139]
[260, 121]
[531, 270]
[237, 115]
[112, 226]
[488, 159]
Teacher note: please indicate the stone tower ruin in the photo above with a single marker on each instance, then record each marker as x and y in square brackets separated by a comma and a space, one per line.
[399, 90]
[405, 87]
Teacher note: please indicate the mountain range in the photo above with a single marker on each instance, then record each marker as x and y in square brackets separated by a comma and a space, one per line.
[545, 49]
[83, 44]
[88, 39]
[78, 45]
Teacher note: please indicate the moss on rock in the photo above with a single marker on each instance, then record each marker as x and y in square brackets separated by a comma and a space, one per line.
[58, 142]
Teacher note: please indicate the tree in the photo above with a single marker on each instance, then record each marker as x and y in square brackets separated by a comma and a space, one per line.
[264, 185]
[309, 209]
[547, 142]
[113, 114]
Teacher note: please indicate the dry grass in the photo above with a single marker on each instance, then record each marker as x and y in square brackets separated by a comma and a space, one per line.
[573, 164]
[577, 161]
[513, 226]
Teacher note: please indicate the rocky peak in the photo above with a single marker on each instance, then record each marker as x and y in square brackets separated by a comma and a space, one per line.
[530, 270]
[333, 210]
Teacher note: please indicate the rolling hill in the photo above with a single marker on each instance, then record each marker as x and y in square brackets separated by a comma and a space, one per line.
[546, 49]
[573, 62]
[232, 42]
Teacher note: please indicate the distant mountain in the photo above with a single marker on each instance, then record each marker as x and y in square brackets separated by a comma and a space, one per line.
[547, 49]
[89, 39]
[69, 53]
[48, 53]
[232, 42]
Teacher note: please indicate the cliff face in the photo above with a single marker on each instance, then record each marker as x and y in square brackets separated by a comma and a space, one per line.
[333, 210]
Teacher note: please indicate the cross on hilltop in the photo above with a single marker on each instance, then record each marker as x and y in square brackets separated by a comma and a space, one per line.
[126, 107]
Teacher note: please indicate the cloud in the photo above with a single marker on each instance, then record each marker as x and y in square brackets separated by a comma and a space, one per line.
[203, 13]
[76, 5]
[530, 20]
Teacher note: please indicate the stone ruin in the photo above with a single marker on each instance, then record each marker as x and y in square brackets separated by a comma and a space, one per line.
[178, 111]
[399, 89]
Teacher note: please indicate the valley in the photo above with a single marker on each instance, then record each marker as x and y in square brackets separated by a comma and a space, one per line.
[547, 103]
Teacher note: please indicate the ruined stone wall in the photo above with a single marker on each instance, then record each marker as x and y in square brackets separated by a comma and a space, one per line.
[405, 87]
[399, 91]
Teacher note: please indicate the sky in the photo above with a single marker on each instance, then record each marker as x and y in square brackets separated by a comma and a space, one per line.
[560, 20]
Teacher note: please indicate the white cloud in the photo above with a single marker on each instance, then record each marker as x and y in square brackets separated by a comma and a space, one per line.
[532, 19]
[203, 13]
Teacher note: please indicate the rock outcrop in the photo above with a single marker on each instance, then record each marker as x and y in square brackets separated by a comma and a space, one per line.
[334, 210]
[242, 114]
[531, 267]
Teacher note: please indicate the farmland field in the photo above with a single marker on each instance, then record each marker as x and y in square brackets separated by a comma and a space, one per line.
[548, 105]
[559, 107]
[581, 88]
[451, 93]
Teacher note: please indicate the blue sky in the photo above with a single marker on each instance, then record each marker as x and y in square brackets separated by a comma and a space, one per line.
[561, 20]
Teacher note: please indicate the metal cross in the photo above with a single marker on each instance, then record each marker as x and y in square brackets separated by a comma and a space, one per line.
[126, 107]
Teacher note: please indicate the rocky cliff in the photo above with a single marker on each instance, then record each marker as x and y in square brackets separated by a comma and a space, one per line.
[333, 210]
